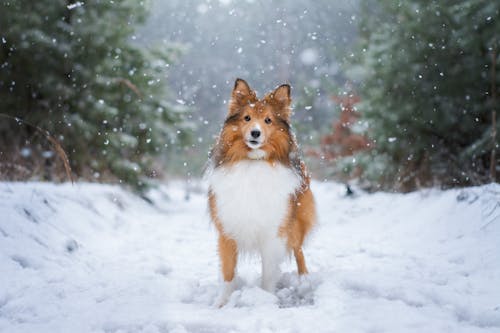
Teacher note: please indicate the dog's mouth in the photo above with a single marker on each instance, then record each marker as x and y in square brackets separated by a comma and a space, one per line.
[254, 144]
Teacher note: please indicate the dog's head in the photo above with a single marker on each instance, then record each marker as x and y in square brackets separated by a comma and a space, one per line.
[258, 129]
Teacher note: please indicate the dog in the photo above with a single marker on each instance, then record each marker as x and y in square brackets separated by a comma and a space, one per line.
[259, 194]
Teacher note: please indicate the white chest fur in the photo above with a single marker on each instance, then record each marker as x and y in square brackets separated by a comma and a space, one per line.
[252, 199]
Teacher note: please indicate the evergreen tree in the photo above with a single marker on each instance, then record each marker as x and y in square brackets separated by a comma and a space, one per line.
[425, 90]
[71, 68]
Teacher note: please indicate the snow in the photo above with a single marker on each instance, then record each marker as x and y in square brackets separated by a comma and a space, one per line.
[74, 5]
[309, 56]
[95, 258]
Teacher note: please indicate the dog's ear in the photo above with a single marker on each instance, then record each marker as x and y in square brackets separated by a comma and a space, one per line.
[281, 99]
[242, 95]
[282, 94]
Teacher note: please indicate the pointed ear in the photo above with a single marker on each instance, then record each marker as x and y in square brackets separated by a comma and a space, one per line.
[280, 97]
[242, 95]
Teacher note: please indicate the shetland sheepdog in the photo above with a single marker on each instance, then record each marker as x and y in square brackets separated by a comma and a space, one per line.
[259, 196]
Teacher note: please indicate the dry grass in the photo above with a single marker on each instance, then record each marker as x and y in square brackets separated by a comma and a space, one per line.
[12, 167]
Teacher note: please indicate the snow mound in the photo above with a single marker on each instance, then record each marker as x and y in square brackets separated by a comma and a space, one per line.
[294, 290]
[250, 297]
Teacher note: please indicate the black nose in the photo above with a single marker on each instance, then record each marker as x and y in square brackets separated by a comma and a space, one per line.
[255, 134]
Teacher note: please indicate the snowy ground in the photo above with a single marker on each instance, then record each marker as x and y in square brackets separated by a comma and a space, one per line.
[94, 258]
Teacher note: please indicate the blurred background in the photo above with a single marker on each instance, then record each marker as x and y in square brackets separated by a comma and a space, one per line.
[387, 95]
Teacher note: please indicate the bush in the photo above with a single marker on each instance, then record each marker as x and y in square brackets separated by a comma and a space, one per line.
[424, 70]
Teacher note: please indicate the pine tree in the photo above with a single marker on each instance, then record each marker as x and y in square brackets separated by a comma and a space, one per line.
[426, 89]
[71, 68]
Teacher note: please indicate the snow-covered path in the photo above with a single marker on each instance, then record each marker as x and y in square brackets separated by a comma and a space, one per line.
[94, 258]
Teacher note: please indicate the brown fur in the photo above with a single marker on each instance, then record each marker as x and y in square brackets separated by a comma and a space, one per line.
[280, 147]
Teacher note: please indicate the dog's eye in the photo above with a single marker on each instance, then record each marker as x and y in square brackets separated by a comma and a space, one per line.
[268, 120]
[247, 118]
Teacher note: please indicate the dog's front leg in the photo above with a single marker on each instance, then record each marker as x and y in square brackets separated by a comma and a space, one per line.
[228, 253]
[272, 251]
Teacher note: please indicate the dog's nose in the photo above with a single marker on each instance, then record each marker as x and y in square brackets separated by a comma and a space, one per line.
[255, 134]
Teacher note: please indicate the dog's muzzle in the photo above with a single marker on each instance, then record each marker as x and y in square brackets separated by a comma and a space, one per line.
[254, 138]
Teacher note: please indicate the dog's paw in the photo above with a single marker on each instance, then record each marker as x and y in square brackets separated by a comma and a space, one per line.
[220, 302]
[225, 294]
